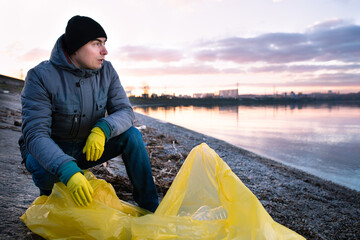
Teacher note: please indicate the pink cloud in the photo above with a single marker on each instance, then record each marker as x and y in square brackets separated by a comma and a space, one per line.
[324, 43]
[328, 24]
[35, 54]
[143, 53]
[334, 40]
[279, 68]
[171, 70]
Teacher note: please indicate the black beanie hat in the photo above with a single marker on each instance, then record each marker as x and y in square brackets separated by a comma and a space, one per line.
[79, 31]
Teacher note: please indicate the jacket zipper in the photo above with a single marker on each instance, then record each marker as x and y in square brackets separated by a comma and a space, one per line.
[74, 124]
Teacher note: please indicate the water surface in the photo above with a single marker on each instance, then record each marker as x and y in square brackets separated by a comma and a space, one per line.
[321, 140]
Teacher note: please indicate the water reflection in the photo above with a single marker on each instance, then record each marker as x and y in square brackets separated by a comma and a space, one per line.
[321, 139]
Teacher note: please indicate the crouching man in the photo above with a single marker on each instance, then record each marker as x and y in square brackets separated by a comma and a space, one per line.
[65, 129]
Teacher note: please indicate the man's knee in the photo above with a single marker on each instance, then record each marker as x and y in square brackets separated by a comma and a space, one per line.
[41, 177]
[133, 136]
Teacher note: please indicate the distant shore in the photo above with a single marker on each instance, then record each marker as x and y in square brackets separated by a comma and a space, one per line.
[348, 99]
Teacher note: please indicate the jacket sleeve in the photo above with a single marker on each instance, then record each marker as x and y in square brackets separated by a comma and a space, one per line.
[120, 113]
[36, 128]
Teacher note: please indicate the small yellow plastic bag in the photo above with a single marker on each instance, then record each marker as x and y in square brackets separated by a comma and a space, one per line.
[205, 201]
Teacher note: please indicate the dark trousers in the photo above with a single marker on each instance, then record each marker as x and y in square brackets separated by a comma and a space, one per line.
[130, 144]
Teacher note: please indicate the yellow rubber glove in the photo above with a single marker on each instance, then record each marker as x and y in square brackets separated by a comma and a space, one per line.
[80, 189]
[95, 143]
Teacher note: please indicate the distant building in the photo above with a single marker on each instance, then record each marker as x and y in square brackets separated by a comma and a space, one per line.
[203, 95]
[331, 92]
[231, 93]
[184, 96]
[209, 95]
[128, 93]
[292, 94]
[166, 96]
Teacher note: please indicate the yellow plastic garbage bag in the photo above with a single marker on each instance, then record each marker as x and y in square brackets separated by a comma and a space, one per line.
[205, 201]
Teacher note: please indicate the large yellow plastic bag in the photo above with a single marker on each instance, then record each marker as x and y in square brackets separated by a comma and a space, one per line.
[205, 201]
[208, 201]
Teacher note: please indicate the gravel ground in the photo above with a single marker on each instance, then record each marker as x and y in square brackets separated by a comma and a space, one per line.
[314, 208]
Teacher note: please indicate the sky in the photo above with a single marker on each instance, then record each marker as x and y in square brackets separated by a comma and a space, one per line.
[197, 46]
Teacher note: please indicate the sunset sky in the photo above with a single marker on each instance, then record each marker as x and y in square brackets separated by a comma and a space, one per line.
[191, 46]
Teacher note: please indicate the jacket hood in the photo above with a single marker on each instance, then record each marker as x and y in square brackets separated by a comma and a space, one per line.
[59, 58]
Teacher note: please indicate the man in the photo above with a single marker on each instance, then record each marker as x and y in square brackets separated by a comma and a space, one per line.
[65, 130]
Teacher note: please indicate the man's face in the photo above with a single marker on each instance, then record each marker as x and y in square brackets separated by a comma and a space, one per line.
[91, 55]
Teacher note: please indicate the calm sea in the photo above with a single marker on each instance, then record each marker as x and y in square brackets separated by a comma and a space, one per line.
[322, 140]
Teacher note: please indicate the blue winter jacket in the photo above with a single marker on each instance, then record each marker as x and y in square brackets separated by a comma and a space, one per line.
[63, 103]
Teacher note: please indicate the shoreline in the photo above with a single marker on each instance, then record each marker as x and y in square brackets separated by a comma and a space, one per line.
[311, 206]
[194, 139]
[259, 154]
[324, 146]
